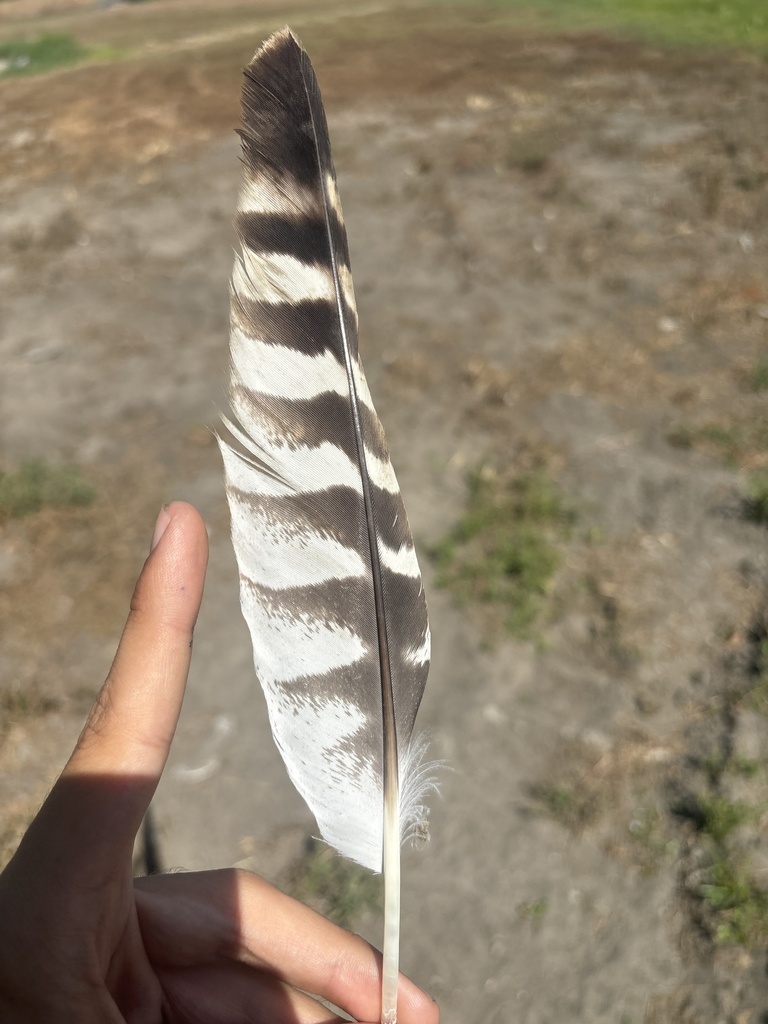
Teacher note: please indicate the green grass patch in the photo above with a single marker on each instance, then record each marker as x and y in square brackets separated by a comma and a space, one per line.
[574, 804]
[746, 767]
[534, 910]
[337, 888]
[739, 443]
[709, 23]
[36, 484]
[721, 816]
[503, 552]
[35, 56]
[16, 704]
[741, 907]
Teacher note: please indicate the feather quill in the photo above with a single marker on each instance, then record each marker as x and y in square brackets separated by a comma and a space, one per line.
[329, 582]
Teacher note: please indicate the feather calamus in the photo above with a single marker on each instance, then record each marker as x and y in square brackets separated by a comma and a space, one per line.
[329, 582]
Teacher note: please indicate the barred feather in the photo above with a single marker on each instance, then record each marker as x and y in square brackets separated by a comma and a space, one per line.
[329, 581]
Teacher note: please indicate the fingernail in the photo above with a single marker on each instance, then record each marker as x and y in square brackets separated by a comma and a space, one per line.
[160, 527]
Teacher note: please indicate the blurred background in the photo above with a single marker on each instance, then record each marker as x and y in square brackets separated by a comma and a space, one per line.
[557, 219]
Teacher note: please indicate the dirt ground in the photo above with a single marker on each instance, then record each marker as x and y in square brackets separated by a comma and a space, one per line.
[560, 254]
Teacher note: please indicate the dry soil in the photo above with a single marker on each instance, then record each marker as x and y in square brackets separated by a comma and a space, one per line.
[559, 245]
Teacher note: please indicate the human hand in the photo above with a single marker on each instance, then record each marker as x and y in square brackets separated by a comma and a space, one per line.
[82, 941]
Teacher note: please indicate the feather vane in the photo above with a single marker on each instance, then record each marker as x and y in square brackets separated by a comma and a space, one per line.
[329, 581]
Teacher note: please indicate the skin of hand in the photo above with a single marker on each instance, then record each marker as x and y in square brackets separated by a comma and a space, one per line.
[82, 940]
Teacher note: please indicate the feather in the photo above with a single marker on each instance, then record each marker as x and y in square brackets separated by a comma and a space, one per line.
[329, 582]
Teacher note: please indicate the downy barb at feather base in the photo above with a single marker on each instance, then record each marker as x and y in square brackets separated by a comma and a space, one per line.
[329, 582]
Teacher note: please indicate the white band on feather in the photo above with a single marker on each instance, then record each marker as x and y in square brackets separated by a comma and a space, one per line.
[403, 561]
[275, 277]
[288, 646]
[284, 372]
[276, 557]
[299, 470]
[261, 194]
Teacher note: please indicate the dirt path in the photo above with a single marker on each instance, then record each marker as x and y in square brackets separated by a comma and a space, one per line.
[560, 258]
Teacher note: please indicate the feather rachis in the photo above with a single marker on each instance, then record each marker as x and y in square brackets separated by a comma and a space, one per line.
[330, 583]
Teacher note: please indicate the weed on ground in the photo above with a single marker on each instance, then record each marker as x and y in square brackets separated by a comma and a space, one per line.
[739, 443]
[335, 887]
[36, 484]
[574, 804]
[35, 56]
[740, 906]
[739, 23]
[503, 552]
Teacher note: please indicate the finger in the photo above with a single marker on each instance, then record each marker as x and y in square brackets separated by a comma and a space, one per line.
[99, 801]
[231, 993]
[328, 961]
[131, 725]
[194, 918]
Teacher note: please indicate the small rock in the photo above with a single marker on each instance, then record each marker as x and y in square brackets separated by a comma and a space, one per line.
[494, 715]
[647, 704]
[746, 242]
[42, 353]
[475, 101]
[668, 324]
[596, 740]
[20, 139]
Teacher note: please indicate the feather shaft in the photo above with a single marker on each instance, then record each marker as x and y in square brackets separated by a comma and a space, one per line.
[329, 582]
[391, 945]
